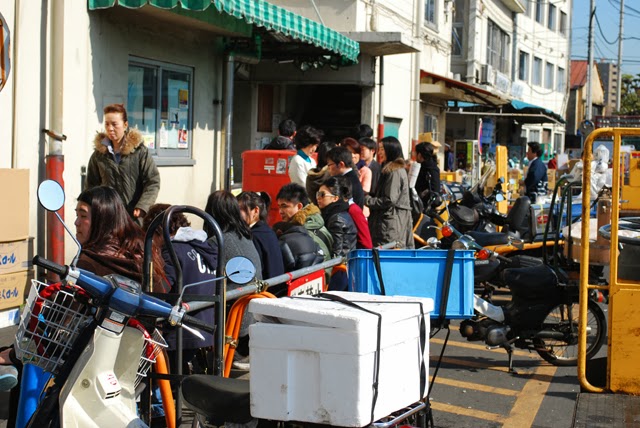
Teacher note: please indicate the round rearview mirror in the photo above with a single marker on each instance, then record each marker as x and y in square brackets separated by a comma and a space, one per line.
[499, 197]
[51, 195]
[512, 181]
[240, 270]
[501, 180]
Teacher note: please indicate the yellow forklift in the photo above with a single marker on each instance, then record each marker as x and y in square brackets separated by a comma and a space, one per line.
[611, 391]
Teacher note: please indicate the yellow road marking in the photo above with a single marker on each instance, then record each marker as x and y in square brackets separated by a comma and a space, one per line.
[482, 348]
[476, 387]
[528, 401]
[457, 410]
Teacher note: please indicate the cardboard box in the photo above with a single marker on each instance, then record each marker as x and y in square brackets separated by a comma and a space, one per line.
[16, 256]
[13, 287]
[9, 317]
[14, 200]
[312, 360]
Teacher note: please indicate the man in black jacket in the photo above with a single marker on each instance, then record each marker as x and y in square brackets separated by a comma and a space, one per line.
[536, 179]
[340, 163]
[284, 140]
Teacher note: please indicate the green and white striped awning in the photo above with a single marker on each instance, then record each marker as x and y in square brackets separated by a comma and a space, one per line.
[261, 14]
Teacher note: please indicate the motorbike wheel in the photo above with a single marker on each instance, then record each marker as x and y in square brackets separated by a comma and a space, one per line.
[564, 318]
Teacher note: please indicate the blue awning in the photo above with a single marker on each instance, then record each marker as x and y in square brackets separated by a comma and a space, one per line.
[524, 112]
[521, 106]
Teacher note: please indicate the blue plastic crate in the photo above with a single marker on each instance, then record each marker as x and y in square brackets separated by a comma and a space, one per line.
[418, 273]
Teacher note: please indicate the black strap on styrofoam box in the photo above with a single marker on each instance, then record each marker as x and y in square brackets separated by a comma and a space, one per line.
[376, 262]
[446, 286]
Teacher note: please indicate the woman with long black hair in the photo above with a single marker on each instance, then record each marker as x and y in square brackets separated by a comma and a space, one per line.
[111, 241]
[390, 218]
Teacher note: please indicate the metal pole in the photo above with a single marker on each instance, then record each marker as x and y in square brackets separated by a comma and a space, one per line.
[55, 158]
[588, 113]
[620, 32]
[228, 119]
[381, 99]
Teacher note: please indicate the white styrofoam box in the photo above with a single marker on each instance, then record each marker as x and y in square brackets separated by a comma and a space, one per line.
[312, 360]
[9, 317]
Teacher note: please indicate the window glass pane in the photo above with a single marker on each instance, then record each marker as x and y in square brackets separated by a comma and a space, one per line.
[563, 23]
[551, 21]
[539, 11]
[560, 80]
[456, 39]
[175, 110]
[548, 76]
[159, 102]
[537, 71]
[142, 102]
[523, 66]
[430, 11]
[498, 48]
[457, 32]
[534, 135]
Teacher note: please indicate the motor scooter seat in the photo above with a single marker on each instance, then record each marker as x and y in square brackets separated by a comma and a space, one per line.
[218, 398]
[489, 238]
[530, 282]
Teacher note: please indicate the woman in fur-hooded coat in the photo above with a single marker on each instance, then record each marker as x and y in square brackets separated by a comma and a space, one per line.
[126, 166]
[390, 218]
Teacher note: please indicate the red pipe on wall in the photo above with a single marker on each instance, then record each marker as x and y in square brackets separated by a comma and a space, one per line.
[55, 236]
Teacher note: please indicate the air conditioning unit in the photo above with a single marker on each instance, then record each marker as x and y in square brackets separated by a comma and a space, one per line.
[487, 75]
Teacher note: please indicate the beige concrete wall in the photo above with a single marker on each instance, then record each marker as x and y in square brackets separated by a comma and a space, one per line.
[97, 48]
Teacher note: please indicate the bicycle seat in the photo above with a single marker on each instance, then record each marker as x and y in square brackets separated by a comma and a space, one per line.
[218, 398]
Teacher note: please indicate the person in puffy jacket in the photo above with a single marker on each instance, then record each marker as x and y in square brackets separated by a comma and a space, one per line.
[299, 250]
[335, 212]
[294, 207]
[121, 160]
[284, 140]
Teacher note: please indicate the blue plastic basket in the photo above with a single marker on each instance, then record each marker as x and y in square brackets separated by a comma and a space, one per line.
[418, 273]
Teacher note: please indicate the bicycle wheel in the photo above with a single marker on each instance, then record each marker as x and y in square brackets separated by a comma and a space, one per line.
[564, 319]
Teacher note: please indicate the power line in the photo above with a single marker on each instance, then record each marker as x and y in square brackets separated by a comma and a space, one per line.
[602, 33]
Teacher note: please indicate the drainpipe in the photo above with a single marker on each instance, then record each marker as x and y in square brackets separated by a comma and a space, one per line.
[514, 47]
[55, 159]
[417, 24]
[381, 100]
[227, 114]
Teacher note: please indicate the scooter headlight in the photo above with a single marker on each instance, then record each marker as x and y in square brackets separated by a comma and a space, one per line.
[462, 243]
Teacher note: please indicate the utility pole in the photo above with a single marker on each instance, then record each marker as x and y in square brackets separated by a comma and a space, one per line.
[592, 12]
[620, 32]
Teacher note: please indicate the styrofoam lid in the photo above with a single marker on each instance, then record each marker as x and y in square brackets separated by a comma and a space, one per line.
[315, 311]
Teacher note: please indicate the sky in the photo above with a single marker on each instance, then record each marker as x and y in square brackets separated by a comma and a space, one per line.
[606, 34]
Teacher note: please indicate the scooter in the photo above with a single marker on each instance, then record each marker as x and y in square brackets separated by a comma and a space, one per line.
[89, 333]
[542, 314]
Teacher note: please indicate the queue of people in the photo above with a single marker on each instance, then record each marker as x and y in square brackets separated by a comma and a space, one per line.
[346, 200]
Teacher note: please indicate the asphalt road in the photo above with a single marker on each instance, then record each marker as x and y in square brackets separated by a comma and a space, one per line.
[474, 388]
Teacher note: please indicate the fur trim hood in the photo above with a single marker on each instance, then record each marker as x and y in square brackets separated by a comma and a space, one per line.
[301, 216]
[389, 167]
[132, 140]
